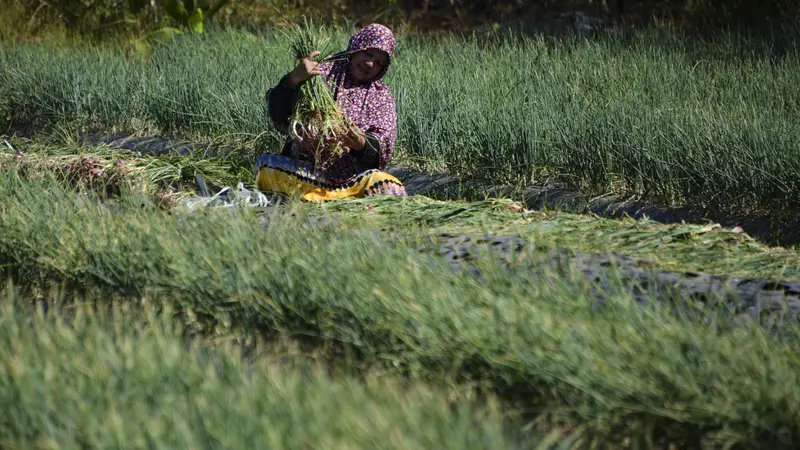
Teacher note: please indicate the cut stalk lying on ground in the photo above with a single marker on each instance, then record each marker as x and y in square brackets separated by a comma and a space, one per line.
[99, 168]
[315, 115]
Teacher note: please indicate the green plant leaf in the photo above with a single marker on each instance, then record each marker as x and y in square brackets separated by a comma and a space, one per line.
[196, 20]
[162, 35]
[176, 11]
[141, 45]
[145, 43]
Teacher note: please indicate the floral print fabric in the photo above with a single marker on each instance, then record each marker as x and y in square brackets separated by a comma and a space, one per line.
[369, 105]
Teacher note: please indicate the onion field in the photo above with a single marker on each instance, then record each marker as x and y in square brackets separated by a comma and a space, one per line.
[138, 313]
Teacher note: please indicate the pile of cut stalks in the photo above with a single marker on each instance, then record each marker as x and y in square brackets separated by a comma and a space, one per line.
[317, 120]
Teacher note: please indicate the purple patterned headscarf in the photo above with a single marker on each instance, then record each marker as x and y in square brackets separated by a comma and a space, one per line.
[369, 105]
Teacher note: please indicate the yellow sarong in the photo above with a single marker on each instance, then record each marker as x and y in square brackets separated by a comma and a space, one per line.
[288, 176]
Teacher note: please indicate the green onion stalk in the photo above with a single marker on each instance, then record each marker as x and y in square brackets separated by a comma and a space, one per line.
[315, 115]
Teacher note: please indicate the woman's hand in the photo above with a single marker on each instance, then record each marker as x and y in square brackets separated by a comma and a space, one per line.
[352, 140]
[305, 70]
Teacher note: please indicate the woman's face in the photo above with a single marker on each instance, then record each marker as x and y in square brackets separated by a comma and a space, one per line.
[367, 64]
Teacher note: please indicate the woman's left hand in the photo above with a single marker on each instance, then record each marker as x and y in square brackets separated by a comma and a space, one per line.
[353, 139]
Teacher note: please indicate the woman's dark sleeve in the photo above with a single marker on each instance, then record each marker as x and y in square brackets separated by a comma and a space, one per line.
[279, 103]
[369, 158]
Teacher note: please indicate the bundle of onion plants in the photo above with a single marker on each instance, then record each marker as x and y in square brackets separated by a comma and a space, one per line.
[316, 115]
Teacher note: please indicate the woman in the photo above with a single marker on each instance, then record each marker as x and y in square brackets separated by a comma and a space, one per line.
[355, 80]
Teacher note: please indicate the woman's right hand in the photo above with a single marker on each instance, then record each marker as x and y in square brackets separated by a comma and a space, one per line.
[305, 70]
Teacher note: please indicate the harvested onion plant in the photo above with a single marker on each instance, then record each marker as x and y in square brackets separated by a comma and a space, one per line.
[85, 172]
[315, 115]
[167, 178]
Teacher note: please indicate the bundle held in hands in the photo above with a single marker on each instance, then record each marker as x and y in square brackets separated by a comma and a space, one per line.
[316, 115]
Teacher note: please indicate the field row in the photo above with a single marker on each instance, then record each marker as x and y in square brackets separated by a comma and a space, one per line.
[621, 367]
[85, 377]
[675, 119]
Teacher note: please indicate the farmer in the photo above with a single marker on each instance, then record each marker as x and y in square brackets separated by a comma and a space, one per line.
[355, 81]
